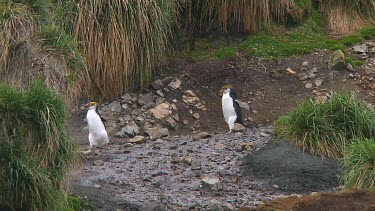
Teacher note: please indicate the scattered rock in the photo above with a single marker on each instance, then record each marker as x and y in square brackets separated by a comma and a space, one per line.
[303, 76]
[196, 115]
[248, 146]
[216, 205]
[157, 84]
[305, 64]
[186, 160]
[130, 130]
[318, 82]
[309, 85]
[146, 99]
[212, 181]
[171, 123]
[337, 61]
[238, 128]
[137, 140]
[201, 135]
[162, 110]
[360, 49]
[97, 186]
[220, 146]
[156, 133]
[98, 163]
[159, 141]
[114, 107]
[175, 84]
[350, 67]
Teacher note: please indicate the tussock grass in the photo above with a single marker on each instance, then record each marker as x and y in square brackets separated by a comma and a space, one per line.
[241, 15]
[345, 16]
[359, 165]
[327, 128]
[122, 41]
[56, 40]
[36, 153]
[16, 26]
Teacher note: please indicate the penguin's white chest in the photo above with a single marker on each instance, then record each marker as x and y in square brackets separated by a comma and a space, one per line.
[97, 133]
[228, 108]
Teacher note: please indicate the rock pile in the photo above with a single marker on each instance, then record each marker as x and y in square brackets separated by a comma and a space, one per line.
[152, 114]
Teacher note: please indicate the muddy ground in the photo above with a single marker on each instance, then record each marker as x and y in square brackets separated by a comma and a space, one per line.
[168, 174]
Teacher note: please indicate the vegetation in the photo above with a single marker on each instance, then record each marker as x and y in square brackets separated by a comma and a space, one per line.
[327, 128]
[345, 16]
[36, 153]
[359, 165]
[122, 44]
[301, 30]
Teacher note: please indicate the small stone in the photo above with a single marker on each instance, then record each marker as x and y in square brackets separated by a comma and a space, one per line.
[318, 82]
[212, 181]
[216, 205]
[157, 84]
[175, 84]
[185, 121]
[156, 133]
[126, 97]
[360, 49]
[98, 163]
[309, 85]
[160, 93]
[159, 141]
[196, 115]
[312, 75]
[351, 75]
[186, 160]
[276, 186]
[137, 140]
[303, 76]
[305, 64]
[201, 135]
[248, 146]
[350, 67]
[160, 111]
[238, 128]
[97, 186]
[171, 123]
[145, 100]
[220, 146]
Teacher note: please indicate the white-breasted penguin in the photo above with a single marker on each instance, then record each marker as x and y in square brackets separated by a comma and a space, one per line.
[230, 106]
[97, 131]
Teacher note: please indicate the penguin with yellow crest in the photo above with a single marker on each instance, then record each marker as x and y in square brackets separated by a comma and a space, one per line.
[231, 106]
[97, 131]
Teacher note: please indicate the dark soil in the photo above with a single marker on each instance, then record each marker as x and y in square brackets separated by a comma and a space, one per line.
[284, 166]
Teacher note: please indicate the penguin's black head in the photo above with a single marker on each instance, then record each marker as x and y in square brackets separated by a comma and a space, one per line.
[225, 89]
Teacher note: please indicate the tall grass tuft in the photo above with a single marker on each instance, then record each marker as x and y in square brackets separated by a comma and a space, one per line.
[36, 154]
[16, 26]
[359, 165]
[327, 128]
[345, 16]
[241, 15]
[122, 42]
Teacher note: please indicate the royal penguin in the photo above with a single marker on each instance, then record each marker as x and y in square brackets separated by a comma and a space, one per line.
[230, 106]
[97, 131]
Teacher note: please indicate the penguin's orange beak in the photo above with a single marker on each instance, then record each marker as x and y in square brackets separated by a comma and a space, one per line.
[221, 91]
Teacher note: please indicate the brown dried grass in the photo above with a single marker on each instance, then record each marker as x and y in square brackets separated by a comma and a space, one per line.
[248, 16]
[343, 17]
[122, 41]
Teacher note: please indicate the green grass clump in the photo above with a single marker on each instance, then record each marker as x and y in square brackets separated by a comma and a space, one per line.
[359, 165]
[36, 154]
[354, 61]
[56, 40]
[327, 128]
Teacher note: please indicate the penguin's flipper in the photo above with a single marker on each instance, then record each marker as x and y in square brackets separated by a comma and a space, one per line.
[244, 105]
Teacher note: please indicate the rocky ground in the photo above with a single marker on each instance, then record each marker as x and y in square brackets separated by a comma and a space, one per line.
[169, 148]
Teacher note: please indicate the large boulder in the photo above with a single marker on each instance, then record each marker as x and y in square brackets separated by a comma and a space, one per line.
[337, 61]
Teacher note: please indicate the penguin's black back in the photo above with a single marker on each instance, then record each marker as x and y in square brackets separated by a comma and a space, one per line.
[236, 106]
